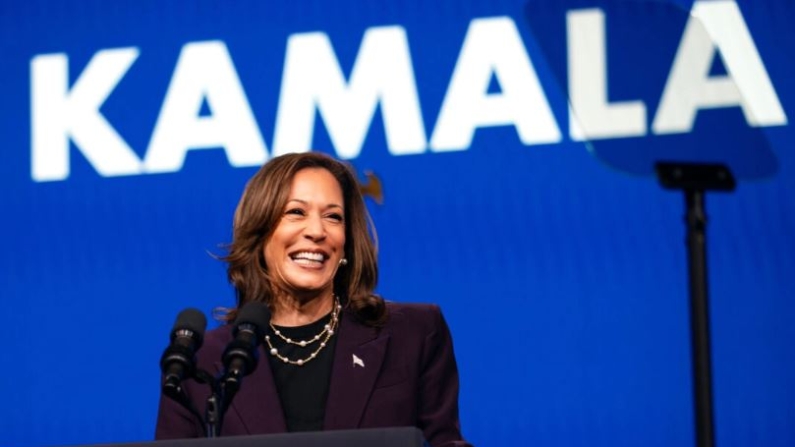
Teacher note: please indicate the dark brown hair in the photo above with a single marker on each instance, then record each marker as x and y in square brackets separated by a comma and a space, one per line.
[259, 212]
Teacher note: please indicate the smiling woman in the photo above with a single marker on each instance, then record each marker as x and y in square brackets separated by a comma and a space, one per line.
[304, 203]
[307, 246]
[340, 357]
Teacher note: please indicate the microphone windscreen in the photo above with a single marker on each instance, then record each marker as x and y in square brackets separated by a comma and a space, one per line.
[192, 320]
[254, 313]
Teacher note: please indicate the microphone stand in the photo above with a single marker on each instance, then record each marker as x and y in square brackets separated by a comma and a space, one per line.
[694, 180]
[217, 402]
[222, 391]
[213, 413]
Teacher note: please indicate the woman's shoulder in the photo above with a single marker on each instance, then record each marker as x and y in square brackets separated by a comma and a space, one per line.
[414, 309]
[426, 317]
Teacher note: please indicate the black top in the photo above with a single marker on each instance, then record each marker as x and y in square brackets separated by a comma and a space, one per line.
[303, 389]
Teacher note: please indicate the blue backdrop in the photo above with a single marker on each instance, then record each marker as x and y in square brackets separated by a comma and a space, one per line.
[130, 128]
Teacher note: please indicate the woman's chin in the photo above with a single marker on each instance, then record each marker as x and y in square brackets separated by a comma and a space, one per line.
[302, 284]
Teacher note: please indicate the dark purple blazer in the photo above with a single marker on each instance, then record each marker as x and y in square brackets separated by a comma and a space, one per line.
[409, 378]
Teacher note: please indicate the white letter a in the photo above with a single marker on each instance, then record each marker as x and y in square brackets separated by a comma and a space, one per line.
[205, 71]
[717, 26]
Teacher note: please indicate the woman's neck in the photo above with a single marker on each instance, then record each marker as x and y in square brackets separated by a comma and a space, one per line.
[289, 310]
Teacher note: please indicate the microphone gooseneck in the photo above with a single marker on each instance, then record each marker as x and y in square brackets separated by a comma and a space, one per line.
[239, 359]
[179, 359]
[240, 356]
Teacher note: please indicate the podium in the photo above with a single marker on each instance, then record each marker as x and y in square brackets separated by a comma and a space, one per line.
[371, 437]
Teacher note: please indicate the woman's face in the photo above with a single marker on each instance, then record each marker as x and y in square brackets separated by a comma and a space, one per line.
[306, 247]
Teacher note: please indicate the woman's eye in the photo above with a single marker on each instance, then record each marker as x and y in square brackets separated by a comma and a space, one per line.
[335, 217]
[295, 211]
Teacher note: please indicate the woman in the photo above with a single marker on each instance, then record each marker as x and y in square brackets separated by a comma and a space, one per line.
[335, 356]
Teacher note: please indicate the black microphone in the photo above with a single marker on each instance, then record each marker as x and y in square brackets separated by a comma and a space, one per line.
[240, 356]
[179, 359]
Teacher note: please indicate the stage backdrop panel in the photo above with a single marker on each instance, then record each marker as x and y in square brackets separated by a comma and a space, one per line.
[514, 141]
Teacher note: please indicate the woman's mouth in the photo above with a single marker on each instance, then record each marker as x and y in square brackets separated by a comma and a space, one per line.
[308, 258]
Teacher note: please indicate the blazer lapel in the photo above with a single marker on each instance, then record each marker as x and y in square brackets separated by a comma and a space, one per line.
[257, 403]
[357, 362]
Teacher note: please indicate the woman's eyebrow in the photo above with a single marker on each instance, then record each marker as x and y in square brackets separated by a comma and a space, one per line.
[304, 202]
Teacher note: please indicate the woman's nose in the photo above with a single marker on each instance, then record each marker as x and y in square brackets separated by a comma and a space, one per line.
[315, 229]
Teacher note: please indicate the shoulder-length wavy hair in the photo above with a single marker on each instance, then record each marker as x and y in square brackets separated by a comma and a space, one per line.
[261, 208]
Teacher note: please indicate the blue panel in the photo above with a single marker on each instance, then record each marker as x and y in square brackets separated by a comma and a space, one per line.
[559, 266]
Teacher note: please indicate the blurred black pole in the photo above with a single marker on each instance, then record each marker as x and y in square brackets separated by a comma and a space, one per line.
[695, 180]
[699, 317]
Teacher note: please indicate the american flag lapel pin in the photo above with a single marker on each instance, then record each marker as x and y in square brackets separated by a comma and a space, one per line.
[357, 361]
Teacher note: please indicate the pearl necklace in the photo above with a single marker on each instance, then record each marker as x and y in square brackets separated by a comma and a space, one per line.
[325, 334]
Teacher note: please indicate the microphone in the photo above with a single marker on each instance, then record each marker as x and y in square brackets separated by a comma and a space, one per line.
[240, 356]
[179, 359]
